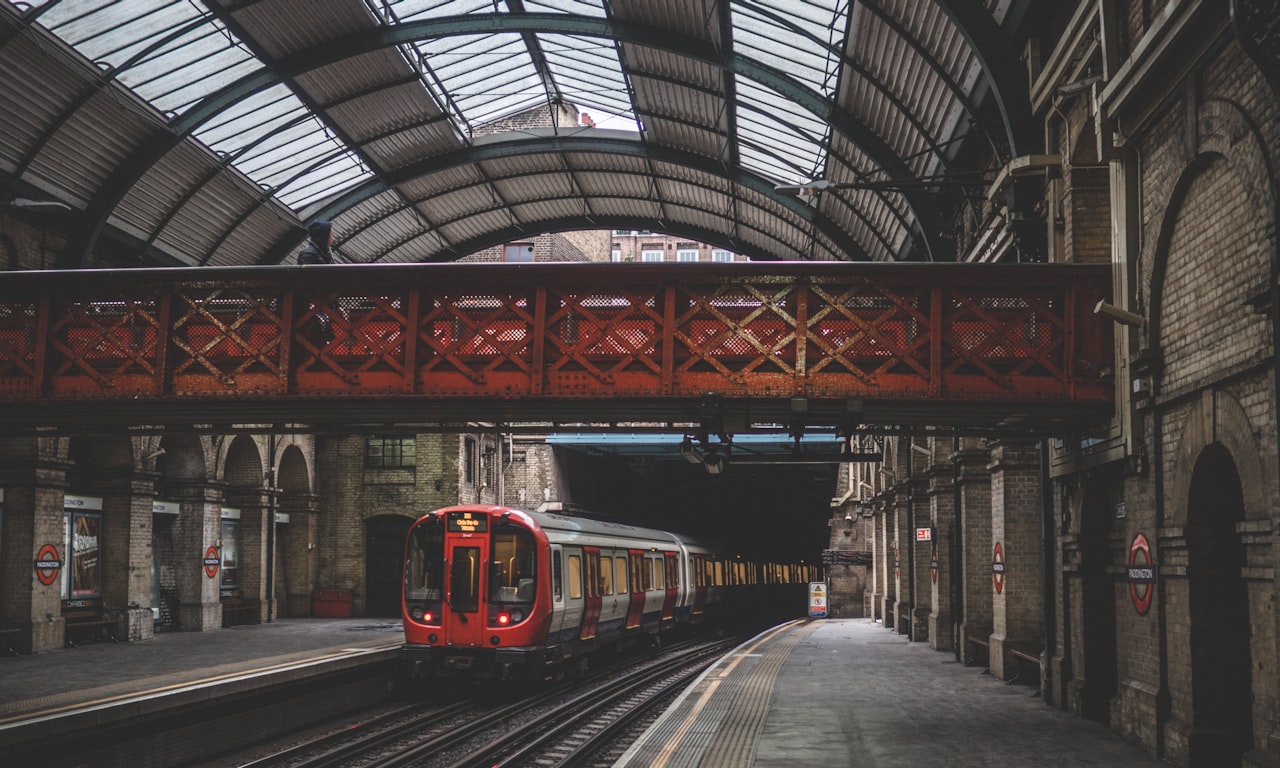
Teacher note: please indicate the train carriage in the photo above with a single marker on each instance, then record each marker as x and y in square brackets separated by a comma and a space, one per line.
[506, 593]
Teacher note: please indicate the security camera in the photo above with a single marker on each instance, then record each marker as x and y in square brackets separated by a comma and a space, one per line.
[153, 454]
[1122, 316]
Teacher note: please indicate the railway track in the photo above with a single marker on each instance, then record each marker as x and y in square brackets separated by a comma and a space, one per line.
[562, 726]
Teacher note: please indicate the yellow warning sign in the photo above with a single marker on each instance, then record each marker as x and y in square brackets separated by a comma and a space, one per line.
[817, 600]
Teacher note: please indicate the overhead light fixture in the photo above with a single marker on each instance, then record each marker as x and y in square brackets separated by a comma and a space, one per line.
[28, 204]
[810, 189]
[1079, 85]
[920, 449]
[1122, 316]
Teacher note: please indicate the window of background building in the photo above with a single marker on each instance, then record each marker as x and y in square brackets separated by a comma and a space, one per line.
[469, 461]
[651, 256]
[616, 255]
[391, 452]
[719, 255]
[685, 255]
[519, 252]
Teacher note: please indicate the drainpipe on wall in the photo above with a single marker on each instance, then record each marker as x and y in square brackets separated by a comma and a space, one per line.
[1049, 611]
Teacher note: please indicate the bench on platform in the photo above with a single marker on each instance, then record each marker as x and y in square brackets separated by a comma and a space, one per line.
[238, 611]
[6, 640]
[81, 616]
[1025, 657]
[981, 651]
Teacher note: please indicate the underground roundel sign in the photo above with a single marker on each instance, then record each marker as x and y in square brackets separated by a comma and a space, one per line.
[997, 568]
[1142, 574]
[212, 561]
[48, 564]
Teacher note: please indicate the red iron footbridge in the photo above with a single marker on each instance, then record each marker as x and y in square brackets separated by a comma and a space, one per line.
[965, 347]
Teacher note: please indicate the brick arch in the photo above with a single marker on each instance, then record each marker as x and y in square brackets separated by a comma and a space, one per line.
[1226, 139]
[242, 463]
[1218, 418]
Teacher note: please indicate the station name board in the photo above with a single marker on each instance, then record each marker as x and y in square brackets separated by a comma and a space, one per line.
[467, 522]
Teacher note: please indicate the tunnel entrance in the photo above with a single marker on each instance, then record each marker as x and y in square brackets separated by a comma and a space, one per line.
[384, 554]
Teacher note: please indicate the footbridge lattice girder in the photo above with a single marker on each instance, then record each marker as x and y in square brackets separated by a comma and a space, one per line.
[976, 346]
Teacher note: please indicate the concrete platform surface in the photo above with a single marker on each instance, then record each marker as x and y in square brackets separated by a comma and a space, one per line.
[847, 692]
[106, 675]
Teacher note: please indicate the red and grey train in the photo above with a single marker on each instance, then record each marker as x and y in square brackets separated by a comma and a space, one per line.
[497, 592]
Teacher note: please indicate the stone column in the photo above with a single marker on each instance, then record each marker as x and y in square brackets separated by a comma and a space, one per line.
[253, 504]
[1017, 620]
[884, 565]
[871, 606]
[941, 516]
[975, 544]
[921, 552]
[35, 481]
[298, 547]
[199, 526]
[126, 553]
[901, 571]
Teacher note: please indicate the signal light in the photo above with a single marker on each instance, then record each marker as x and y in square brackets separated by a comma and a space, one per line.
[427, 618]
[504, 619]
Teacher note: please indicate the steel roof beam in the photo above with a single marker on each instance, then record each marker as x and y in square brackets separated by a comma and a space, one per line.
[469, 157]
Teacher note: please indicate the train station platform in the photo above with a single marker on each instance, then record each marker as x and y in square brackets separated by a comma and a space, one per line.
[51, 700]
[847, 692]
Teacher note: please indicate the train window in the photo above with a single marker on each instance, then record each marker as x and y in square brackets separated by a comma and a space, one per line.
[620, 575]
[719, 573]
[557, 577]
[575, 577]
[639, 574]
[423, 577]
[652, 576]
[606, 576]
[673, 573]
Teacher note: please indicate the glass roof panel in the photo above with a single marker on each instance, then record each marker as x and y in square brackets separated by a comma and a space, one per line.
[579, 7]
[486, 76]
[793, 138]
[173, 54]
[588, 73]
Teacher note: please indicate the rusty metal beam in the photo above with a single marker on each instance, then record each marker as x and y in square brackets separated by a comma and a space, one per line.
[976, 348]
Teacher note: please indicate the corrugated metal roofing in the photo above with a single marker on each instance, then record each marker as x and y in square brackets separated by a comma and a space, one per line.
[210, 132]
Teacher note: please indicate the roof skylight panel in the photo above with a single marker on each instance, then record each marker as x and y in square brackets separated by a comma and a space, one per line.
[323, 182]
[408, 10]
[798, 37]
[486, 76]
[579, 7]
[784, 128]
[588, 73]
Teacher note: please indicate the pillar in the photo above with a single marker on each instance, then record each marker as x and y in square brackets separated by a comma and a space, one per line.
[1016, 608]
[34, 479]
[974, 529]
[126, 533]
[297, 545]
[941, 494]
[198, 528]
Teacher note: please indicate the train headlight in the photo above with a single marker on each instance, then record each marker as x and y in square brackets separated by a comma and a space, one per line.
[427, 618]
[504, 619]
[415, 613]
[517, 617]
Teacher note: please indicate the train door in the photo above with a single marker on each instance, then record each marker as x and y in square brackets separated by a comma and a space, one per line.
[699, 584]
[672, 573]
[465, 550]
[591, 591]
[635, 610]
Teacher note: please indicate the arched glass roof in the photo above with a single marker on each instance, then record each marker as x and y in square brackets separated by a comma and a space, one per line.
[211, 132]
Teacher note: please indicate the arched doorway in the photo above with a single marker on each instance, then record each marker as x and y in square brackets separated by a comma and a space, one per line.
[1098, 608]
[384, 553]
[1221, 662]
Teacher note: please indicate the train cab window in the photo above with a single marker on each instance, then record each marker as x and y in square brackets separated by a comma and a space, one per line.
[620, 575]
[513, 565]
[575, 577]
[423, 573]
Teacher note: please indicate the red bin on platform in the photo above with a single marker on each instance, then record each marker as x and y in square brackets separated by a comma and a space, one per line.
[331, 604]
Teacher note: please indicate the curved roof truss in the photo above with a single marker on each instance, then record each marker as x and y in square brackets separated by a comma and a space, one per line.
[731, 97]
